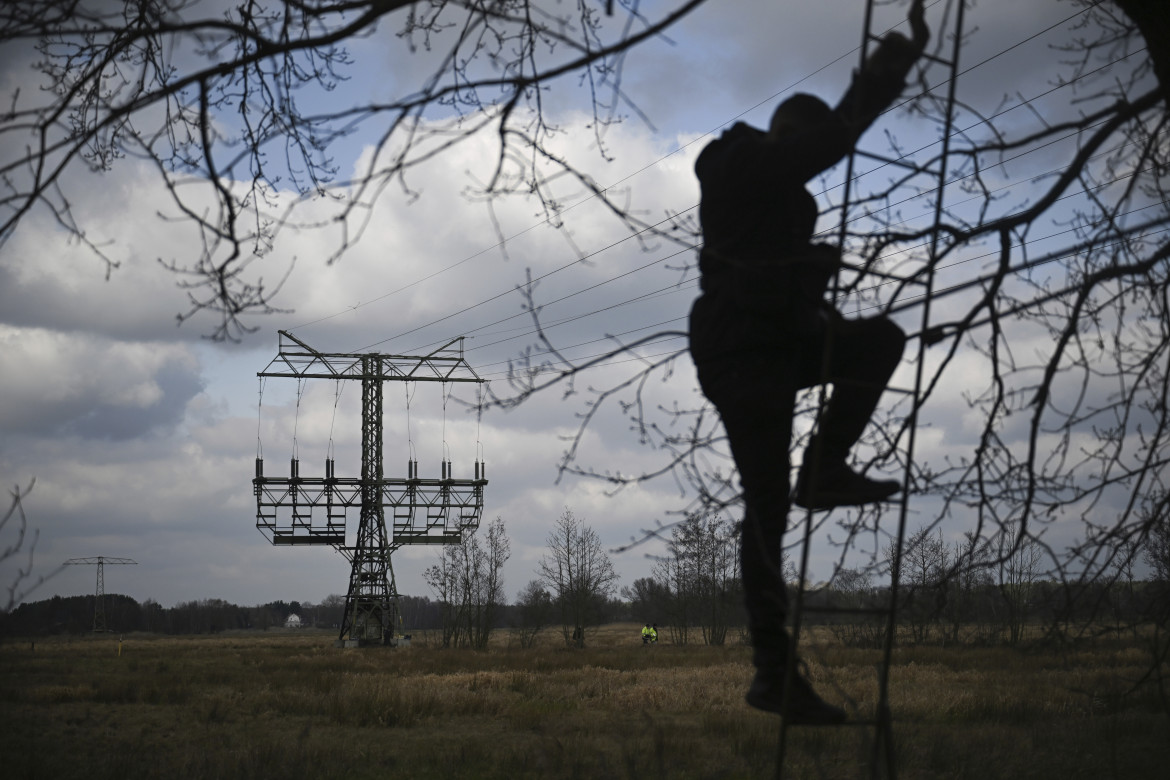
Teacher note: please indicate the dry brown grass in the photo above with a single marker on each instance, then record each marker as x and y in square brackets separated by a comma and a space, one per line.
[290, 705]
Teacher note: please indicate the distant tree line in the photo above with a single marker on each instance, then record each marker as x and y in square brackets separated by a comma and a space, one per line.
[74, 615]
[965, 591]
[972, 592]
[958, 592]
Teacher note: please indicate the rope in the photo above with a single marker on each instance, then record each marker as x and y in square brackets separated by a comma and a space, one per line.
[259, 419]
[296, 453]
[409, 392]
[478, 422]
[446, 396]
[336, 401]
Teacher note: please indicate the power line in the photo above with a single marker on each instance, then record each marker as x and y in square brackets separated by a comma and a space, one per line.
[661, 323]
[533, 281]
[643, 296]
[595, 312]
[912, 302]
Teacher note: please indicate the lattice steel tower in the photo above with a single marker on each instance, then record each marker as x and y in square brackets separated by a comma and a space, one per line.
[99, 600]
[312, 510]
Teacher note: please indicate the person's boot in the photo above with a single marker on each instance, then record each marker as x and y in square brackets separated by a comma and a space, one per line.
[838, 485]
[804, 706]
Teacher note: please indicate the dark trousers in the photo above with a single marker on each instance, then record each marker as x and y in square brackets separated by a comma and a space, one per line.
[755, 394]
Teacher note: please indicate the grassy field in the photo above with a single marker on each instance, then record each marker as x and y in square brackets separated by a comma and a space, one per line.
[290, 705]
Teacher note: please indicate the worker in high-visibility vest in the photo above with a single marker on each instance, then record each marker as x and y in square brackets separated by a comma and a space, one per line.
[646, 634]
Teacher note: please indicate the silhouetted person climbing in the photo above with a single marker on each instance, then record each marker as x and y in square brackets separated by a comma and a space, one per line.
[761, 330]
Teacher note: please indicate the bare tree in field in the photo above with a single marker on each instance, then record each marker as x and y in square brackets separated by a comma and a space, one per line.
[968, 581]
[443, 578]
[924, 578]
[578, 574]
[1157, 556]
[1157, 543]
[469, 583]
[534, 610]
[700, 575]
[1017, 575]
[675, 575]
[852, 589]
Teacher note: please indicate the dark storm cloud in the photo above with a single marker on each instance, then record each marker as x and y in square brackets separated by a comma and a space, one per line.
[76, 402]
[177, 384]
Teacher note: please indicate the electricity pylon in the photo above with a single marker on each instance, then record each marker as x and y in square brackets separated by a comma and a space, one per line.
[312, 510]
[99, 602]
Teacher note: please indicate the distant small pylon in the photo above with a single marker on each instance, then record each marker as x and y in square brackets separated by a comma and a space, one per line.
[99, 606]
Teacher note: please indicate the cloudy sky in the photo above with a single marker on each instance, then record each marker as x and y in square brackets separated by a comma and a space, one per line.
[141, 434]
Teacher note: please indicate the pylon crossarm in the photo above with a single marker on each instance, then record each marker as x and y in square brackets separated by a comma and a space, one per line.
[445, 364]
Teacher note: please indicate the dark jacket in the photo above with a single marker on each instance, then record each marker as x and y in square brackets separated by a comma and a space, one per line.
[763, 279]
